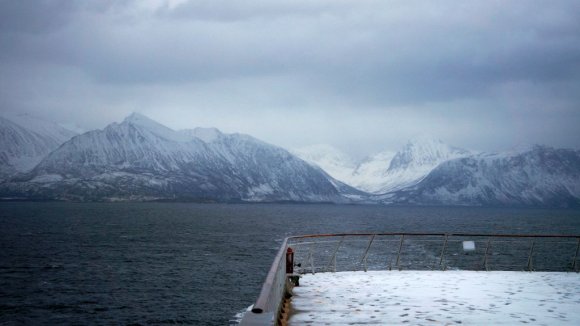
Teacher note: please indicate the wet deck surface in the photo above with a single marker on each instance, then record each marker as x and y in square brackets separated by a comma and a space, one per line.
[436, 297]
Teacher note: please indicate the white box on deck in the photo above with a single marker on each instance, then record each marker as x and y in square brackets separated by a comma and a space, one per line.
[468, 245]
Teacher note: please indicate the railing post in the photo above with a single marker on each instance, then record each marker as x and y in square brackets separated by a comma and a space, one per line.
[389, 258]
[576, 256]
[443, 252]
[485, 255]
[333, 259]
[364, 259]
[311, 258]
[399, 253]
[530, 257]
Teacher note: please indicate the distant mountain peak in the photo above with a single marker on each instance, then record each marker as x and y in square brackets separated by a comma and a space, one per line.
[139, 159]
[41, 126]
[139, 118]
[154, 127]
[207, 135]
[527, 147]
[534, 176]
[424, 138]
[25, 140]
[425, 144]
[424, 150]
[319, 152]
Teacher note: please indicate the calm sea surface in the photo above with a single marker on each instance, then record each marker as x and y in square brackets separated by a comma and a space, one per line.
[199, 264]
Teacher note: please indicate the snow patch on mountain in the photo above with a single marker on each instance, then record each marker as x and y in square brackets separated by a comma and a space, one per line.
[369, 175]
[154, 127]
[207, 135]
[333, 161]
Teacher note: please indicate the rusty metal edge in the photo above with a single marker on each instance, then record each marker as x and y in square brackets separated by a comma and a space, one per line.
[437, 234]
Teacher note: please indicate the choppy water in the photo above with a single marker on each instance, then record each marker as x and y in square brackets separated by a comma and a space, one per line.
[166, 263]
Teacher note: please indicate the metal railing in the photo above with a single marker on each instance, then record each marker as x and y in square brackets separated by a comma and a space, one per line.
[414, 251]
[435, 251]
[275, 282]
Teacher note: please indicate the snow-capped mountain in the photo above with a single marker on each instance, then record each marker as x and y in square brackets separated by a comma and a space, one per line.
[386, 171]
[47, 129]
[540, 176]
[25, 141]
[414, 162]
[140, 159]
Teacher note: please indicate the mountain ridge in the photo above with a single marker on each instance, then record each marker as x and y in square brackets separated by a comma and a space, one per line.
[540, 176]
[139, 159]
[142, 159]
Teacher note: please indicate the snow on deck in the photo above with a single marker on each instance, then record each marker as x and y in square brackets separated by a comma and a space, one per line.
[437, 298]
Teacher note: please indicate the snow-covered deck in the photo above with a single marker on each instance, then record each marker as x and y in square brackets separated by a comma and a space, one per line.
[437, 298]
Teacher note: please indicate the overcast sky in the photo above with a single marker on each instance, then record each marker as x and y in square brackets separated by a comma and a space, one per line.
[361, 75]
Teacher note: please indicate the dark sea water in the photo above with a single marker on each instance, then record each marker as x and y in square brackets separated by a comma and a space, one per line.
[199, 264]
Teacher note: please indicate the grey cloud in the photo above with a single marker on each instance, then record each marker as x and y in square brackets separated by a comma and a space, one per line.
[232, 11]
[408, 61]
[412, 58]
[30, 16]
